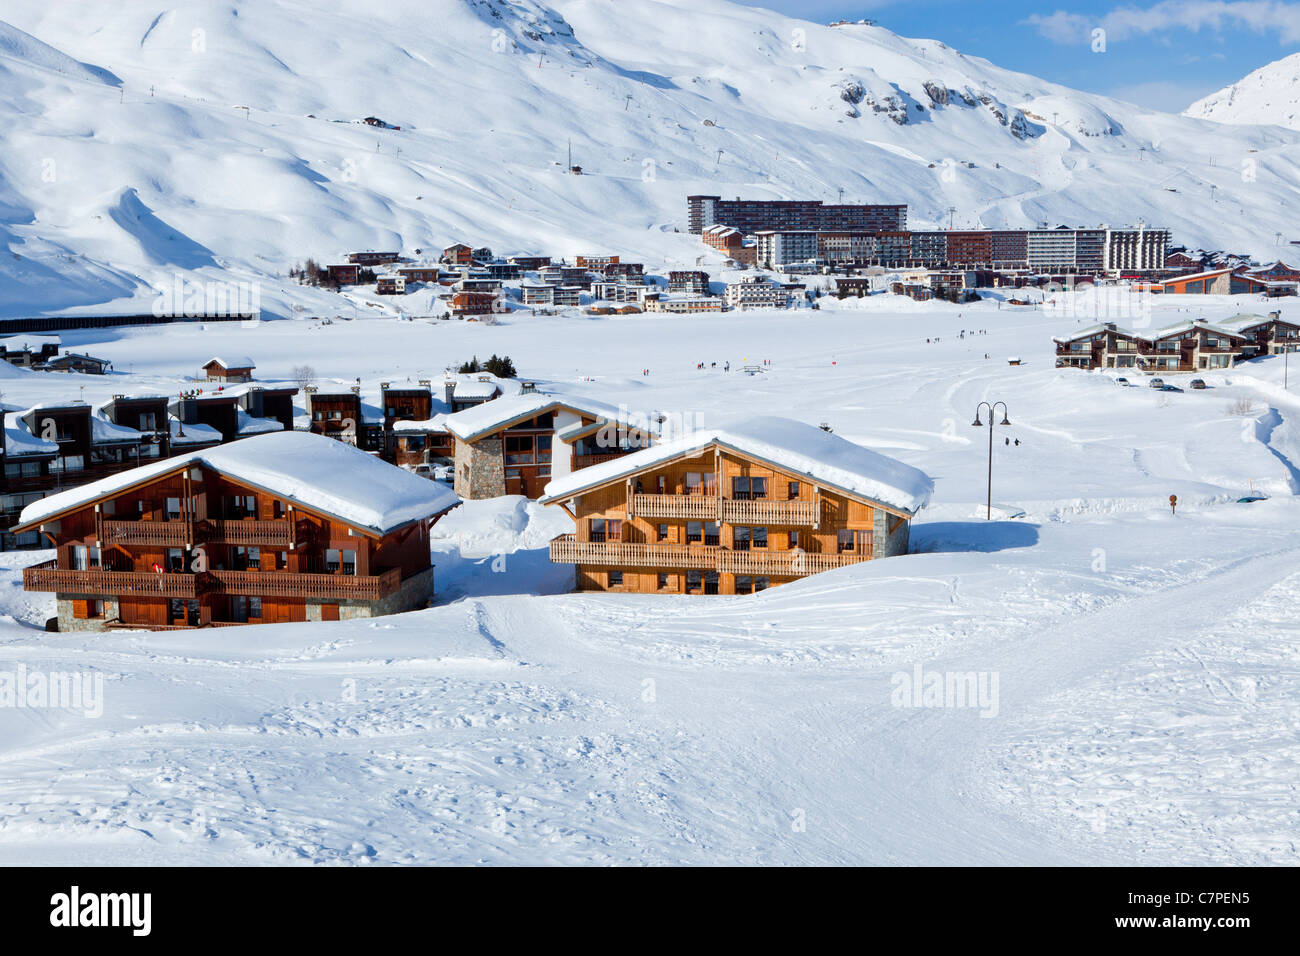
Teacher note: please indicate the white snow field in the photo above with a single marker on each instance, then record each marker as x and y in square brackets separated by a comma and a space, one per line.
[222, 140]
[1146, 664]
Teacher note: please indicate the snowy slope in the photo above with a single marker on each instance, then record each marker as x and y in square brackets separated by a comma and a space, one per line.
[1146, 662]
[1271, 95]
[222, 140]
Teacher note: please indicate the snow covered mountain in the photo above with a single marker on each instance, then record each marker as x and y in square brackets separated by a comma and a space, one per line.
[224, 139]
[1269, 95]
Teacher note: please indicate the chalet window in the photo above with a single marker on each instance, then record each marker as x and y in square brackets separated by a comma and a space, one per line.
[792, 490]
[661, 485]
[662, 583]
[711, 580]
[746, 489]
[317, 415]
[740, 539]
[761, 584]
[94, 607]
[744, 585]
[84, 558]
[852, 542]
[543, 448]
[255, 608]
[519, 450]
[694, 532]
[694, 582]
[239, 609]
[758, 537]
[175, 560]
[616, 579]
[148, 421]
[603, 529]
[73, 462]
[23, 469]
[694, 483]
[792, 540]
[277, 508]
[662, 532]
[173, 508]
[336, 415]
[712, 533]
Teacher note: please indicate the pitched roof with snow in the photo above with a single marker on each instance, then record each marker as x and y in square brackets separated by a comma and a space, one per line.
[484, 419]
[19, 441]
[235, 361]
[319, 473]
[795, 446]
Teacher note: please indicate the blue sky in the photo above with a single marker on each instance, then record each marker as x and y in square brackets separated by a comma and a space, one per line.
[1160, 53]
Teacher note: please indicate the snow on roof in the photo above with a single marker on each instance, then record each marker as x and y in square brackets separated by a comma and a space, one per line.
[1180, 327]
[195, 434]
[483, 419]
[1197, 275]
[248, 425]
[438, 424]
[317, 472]
[235, 361]
[103, 430]
[1089, 332]
[29, 339]
[797, 446]
[473, 387]
[19, 441]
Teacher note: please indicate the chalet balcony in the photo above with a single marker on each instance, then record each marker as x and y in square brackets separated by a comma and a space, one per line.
[567, 550]
[586, 461]
[49, 577]
[172, 534]
[770, 511]
[179, 532]
[354, 587]
[694, 507]
[254, 532]
[763, 511]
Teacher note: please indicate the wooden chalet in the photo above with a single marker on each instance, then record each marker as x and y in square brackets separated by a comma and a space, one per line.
[734, 510]
[390, 285]
[515, 445]
[342, 415]
[343, 274]
[25, 477]
[477, 303]
[285, 527]
[76, 362]
[1265, 334]
[29, 349]
[458, 255]
[1185, 347]
[373, 258]
[235, 369]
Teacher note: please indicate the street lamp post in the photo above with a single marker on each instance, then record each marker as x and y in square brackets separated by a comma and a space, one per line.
[979, 424]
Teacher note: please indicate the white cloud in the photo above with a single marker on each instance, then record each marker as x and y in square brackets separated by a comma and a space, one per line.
[1123, 23]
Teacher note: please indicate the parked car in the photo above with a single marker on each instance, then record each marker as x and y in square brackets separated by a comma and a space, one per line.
[1121, 381]
[1156, 383]
[1170, 388]
[1198, 383]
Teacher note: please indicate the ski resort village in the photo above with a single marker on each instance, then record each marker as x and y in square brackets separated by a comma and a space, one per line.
[489, 432]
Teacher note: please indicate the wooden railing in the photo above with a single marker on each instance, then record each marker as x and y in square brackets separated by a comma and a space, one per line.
[49, 577]
[586, 461]
[568, 550]
[696, 507]
[732, 510]
[292, 584]
[278, 533]
[169, 533]
[770, 511]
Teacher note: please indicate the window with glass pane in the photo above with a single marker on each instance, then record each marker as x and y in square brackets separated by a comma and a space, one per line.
[694, 483]
[663, 532]
[740, 539]
[792, 490]
[173, 508]
[331, 560]
[349, 562]
[694, 532]
[616, 579]
[712, 533]
[744, 585]
[255, 608]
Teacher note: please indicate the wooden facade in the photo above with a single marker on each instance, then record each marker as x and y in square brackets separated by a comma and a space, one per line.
[719, 521]
[194, 548]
